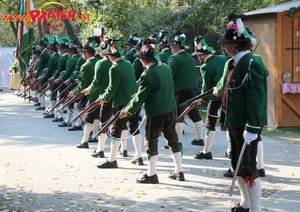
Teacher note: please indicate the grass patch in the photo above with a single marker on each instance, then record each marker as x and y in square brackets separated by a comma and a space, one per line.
[288, 135]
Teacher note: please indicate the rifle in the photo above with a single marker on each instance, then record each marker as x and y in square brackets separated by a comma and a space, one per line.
[56, 89]
[47, 88]
[192, 103]
[86, 110]
[36, 81]
[43, 86]
[112, 120]
[58, 103]
[72, 100]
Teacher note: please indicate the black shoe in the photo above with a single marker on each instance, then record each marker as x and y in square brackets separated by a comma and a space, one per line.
[238, 208]
[124, 153]
[92, 140]
[228, 173]
[36, 100]
[40, 108]
[75, 128]
[58, 119]
[49, 116]
[261, 172]
[228, 155]
[107, 164]
[201, 155]
[84, 145]
[37, 104]
[98, 154]
[146, 179]
[199, 142]
[177, 176]
[64, 124]
[138, 161]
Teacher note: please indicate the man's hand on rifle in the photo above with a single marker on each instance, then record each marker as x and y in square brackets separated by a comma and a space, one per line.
[100, 101]
[40, 78]
[71, 94]
[85, 92]
[77, 81]
[215, 93]
[66, 82]
[249, 137]
[56, 81]
[122, 115]
[198, 102]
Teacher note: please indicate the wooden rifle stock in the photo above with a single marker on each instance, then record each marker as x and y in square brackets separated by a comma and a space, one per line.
[86, 110]
[192, 103]
[43, 86]
[72, 100]
[56, 89]
[112, 120]
[69, 87]
[47, 88]
[32, 84]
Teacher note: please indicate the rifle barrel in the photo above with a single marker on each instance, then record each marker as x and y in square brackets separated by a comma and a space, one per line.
[201, 96]
[86, 110]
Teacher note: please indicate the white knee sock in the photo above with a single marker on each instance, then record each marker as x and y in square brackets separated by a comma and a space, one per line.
[78, 122]
[228, 142]
[101, 142]
[177, 162]
[96, 124]
[52, 103]
[179, 130]
[87, 129]
[254, 194]
[69, 116]
[114, 147]
[208, 141]
[244, 195]
[152, 165]
[124, 136]
[260, 155]
[199, 129]
[137, 143]
[42, 100]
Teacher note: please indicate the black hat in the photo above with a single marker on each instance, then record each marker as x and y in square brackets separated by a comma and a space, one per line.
[148, 51]
[38, 52]
[201, 47]
[163, 38]
[43, 42]
[114, 48]
[133, 39]
[236, 31]
[53, 46]
[179, 39]
[90, 44]
[139, 44]
[63, 46]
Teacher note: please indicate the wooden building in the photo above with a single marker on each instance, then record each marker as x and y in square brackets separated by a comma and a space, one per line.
[280, 50]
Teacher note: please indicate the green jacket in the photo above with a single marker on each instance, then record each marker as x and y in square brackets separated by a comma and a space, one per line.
[75, 74]
[70, 67]
[211, 72]
[101, 76]
[87, 74]
[130, 55]
[52, 65]
[138, 68]
[164, 55]
[156, 91]
[62, 65]
[183, 71]
[246, 104]
[122, 84]
[43, 63]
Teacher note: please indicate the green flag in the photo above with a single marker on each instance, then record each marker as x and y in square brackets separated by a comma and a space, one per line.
[25, 34]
